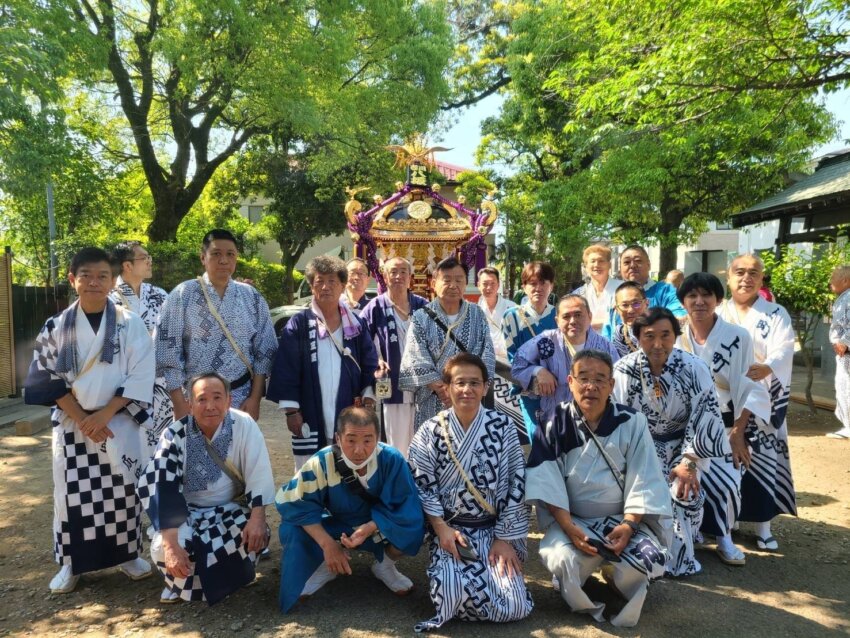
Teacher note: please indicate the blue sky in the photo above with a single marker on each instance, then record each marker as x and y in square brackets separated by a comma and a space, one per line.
[465, 135]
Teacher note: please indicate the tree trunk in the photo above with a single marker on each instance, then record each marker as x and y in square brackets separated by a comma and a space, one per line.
[288, 279]
[667, 257]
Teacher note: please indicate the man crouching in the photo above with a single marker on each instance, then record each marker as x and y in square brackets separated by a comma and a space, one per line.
[357, 494]
[600, 494]
[206, 491]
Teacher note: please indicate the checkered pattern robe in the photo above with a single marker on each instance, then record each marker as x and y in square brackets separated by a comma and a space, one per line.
[209, 520]
[96, 516]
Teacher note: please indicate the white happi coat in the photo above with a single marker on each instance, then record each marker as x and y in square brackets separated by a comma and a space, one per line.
[767, 489]
[567, 469]
[494, 320]
[600, 303]
[839, 332]
[182, 487]
[148, 305]
[96, 515]
[728, 353]
[685, 419]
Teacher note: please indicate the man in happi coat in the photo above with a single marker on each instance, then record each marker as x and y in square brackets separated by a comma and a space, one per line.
[494, 306]
[744, 404]
[524, 322]
[94, 364]
[206, 490]
[132, 291]
[767, 489]
[675, 392]
[543, 364]
[635, 266]
[839, 337]
[438, 331]
[469, 470]
[326, 361]
[387, 317]
[629, 304]
[354, 293]
[595, 479]
[216, 323]
[355, 495]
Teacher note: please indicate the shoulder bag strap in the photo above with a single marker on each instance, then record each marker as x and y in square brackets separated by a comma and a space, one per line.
[469, 485]
[226, 466]
[224, 327]
[444, 328]
[351, 481]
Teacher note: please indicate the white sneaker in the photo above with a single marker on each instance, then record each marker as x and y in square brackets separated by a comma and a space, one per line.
[64, 581]
[136, 569]
[321, 577]
[386, 572]
[168, 597]
[556, 584]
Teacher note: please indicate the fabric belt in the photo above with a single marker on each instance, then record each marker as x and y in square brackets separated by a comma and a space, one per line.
[245, 378]
[666, 438]
[472, 523]
[597, 510]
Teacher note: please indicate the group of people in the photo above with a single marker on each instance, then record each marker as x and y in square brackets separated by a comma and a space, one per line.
[630, 435]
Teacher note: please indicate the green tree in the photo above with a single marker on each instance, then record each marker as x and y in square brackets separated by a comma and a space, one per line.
[615, 171]
[799, 279]
[195, 80]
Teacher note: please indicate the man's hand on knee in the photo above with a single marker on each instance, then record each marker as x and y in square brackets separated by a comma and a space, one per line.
[177, 561]
[255, 536]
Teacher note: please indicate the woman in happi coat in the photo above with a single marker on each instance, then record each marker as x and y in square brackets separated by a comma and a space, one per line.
[767, 489]
[675, 391]
[744, 404]
[468, 468]
[325, 360]
[388, 318]
[524, 322]
[629, 303]
[601, 286]
[146, 300]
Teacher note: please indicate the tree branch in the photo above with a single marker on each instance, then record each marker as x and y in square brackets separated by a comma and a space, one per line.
[502, 80]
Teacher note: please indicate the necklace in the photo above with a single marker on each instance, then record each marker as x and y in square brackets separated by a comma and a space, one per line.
[405, 313]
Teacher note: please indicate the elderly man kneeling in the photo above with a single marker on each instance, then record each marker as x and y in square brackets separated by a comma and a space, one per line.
[206, 491]
[357, 494]
[600, 494]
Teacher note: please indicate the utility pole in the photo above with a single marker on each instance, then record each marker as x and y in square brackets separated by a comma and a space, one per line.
[51, 232]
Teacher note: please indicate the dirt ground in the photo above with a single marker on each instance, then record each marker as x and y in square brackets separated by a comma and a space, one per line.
[802, 590]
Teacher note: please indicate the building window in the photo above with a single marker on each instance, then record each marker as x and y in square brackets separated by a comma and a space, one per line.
[256, 213]
[723, 226]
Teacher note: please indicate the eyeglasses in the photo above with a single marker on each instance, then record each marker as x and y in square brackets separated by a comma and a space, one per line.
[635, 305]
[145, 258]
[473, 385]
[592, 383]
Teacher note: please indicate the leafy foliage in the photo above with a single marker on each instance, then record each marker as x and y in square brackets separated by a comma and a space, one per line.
[799, 279]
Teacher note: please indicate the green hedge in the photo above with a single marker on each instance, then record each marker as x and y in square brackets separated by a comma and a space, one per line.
[173, 263]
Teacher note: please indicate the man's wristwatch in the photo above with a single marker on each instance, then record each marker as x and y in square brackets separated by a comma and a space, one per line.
[690, 464]
[631, 525]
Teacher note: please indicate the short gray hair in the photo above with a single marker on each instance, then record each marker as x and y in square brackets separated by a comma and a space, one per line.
[387, 263]
[326, 265]
[208, 375]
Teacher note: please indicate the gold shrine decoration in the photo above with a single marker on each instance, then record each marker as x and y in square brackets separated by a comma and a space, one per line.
[352, 206]
[414, 151]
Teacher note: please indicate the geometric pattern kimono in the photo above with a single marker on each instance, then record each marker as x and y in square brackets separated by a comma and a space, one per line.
[428, 348]
[767, 489]
[148, 305]
[566, 469]
[490, 454]
[728, 352]
[519, 325]
[182, 487]
[839, 332]
[190, 340]
[683, 414]
[548, 351]
[96, 515]
[622, 337]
